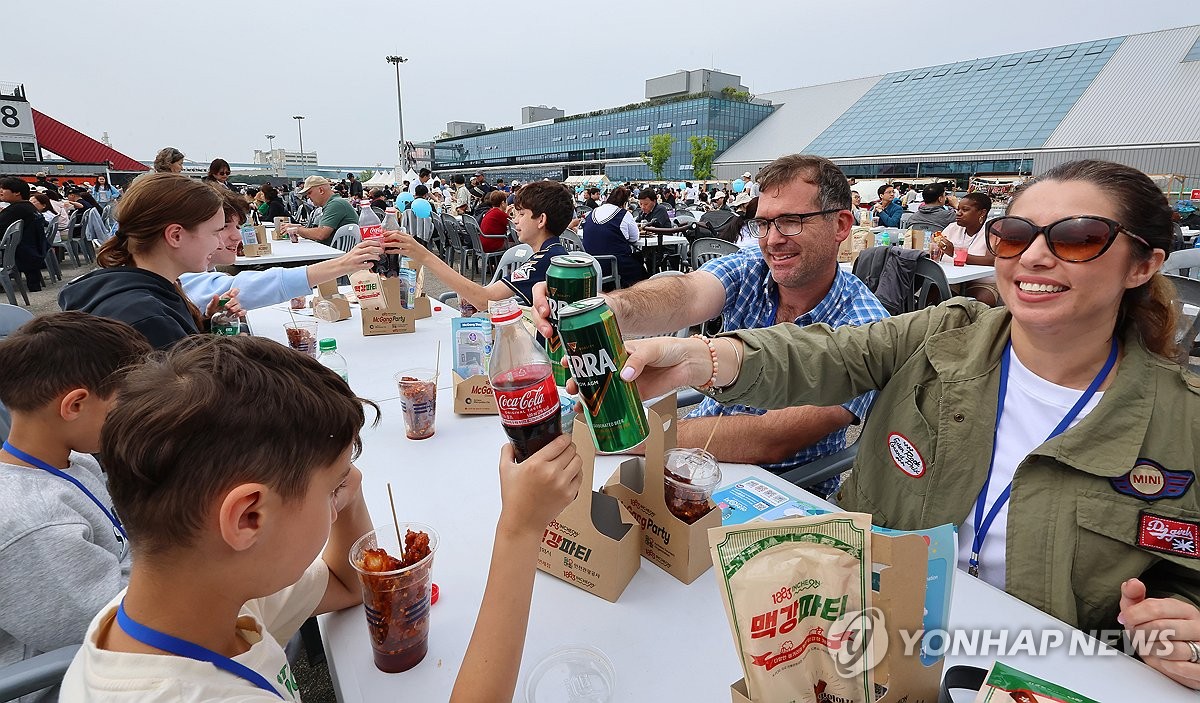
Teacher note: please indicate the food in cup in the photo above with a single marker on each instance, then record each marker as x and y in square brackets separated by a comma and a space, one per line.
[689, 478]
[396, 597]
[299, 302]
[418, 400]
[302, 337]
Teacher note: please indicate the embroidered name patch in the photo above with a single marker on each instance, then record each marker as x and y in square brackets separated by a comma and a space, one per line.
[905, 456]
[1163, 534]
[1148, 480]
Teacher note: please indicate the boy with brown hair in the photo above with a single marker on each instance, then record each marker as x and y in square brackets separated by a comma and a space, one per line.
[63, 552]
[228, 504]
[543, 211]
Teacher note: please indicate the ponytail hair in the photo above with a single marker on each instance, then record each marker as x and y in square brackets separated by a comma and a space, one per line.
[152, 203]
[1143, 210]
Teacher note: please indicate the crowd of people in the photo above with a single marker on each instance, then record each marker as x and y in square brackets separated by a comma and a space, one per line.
[1020, 423]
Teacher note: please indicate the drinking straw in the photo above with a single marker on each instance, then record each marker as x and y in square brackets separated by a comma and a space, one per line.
[437, 363]
[395, 522]
[713, 432]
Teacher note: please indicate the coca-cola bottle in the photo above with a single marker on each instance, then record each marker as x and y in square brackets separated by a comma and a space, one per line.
[523, 381]
[369, 227]
[391, 262]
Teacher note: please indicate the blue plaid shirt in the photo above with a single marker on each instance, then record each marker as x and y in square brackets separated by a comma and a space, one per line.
[752, 300]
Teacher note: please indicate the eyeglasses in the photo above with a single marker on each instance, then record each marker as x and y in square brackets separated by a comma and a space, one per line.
[222, 173]
[787, 225]
[1075, 239]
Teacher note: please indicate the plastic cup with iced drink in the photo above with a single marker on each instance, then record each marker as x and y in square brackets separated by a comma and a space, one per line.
[396, 587]
[690, 478]
[302, 336]
[418, 400]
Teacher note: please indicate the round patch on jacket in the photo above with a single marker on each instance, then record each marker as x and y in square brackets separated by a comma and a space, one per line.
[905, 456]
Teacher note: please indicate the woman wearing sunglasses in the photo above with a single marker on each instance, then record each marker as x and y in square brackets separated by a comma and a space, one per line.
[1058, 432]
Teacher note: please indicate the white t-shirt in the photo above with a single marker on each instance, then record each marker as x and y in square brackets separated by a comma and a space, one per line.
[976, 244]
[266, 623]
[1033, 407]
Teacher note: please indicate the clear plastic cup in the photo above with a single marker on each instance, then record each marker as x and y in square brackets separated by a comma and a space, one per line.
[396, 601]
[302, 336]
[960, 256]
[418, 400]
[690, 478]
[573, 673]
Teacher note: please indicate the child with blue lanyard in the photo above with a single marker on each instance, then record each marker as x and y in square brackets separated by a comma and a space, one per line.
[63, 552]
[229, 459]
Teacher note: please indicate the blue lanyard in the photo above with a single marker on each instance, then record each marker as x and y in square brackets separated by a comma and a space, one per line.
[983, 523]
[161, 640]
[30, 459]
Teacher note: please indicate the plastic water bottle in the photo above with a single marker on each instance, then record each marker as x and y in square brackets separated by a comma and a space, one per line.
[330, 359]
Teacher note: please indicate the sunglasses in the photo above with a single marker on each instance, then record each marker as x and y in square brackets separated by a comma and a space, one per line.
[1075, 239]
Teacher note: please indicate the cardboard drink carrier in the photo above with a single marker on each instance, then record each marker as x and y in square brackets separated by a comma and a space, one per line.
[280, 235]
[916, 239]
[671, 544]
[261, 246]
[328, 292]
[900, 600]
[594, 544]
[473, 395]
[382, 301]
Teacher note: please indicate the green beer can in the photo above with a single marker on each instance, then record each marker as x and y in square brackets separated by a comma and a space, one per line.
[596, 352]
[569, 279]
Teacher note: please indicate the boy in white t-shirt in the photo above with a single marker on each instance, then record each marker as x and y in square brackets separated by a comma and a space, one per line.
[967, 231]
[228, 504]
[62, 554]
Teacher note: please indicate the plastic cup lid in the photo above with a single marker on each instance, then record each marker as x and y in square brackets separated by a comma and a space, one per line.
[572, 674]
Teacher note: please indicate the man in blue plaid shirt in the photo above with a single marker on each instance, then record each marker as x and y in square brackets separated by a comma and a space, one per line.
[792, 276]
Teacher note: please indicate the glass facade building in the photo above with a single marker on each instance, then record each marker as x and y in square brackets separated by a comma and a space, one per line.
[1013, 101]
[610, 143]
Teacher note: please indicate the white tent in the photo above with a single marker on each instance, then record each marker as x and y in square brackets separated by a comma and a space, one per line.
[410, 176]
[380, 179]
[597, 179]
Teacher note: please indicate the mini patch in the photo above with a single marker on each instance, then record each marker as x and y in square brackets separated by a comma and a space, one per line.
[905, 456]
[1163, 534]
[1148, 480]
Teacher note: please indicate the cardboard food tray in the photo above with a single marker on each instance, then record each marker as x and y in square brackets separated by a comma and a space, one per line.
[473, 395]
[328, 292]
[671, 544]
[594, 544]
[262, 248]
[393, 319]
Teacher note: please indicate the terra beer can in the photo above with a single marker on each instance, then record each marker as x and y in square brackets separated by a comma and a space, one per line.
[569, 279]
[596, 353]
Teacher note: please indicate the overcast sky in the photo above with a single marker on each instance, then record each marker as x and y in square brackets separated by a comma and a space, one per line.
[213, 77]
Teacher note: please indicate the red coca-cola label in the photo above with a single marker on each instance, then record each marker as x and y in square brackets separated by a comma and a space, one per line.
[371, 231]
[528, 405]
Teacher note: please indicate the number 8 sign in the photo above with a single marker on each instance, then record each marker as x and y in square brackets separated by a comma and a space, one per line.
[16, 119]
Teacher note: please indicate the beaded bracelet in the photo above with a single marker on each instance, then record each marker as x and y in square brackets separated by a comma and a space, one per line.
[712, 351]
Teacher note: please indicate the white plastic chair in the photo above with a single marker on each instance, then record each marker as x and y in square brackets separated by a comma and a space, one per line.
[346, 237]
[1182, 262]
[513, 257]
[12, 317]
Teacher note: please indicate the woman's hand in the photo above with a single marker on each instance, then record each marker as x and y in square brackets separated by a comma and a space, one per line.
[360, 258]
[662, 364]
[232, 307]
[1162, 629]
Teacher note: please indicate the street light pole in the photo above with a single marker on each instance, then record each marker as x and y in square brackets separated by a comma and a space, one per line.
[396, 61]
[270, 149]
[303, 163]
